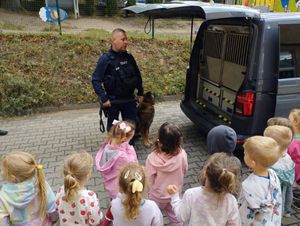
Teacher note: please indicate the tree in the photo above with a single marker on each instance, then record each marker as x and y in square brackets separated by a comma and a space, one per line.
[10, 4]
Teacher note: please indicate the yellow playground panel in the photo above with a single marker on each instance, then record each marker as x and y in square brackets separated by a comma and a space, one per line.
[273, 5]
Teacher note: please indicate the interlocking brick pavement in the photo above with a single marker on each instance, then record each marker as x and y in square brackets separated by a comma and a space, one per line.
[52, 136]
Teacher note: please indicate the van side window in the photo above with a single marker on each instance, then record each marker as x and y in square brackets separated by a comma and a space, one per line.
[287, 66]
[289, 59]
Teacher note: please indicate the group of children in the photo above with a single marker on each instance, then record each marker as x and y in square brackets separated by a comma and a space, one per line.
[139, 193]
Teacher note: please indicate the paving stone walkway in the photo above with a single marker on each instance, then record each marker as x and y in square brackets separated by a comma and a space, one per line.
[52, 136]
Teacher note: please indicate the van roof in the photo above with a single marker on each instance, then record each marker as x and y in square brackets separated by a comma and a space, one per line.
[205, 10]
[194, 9]
[281, 15]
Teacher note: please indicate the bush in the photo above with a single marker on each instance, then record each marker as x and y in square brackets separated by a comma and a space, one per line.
[90, 7]
[32, 5]
[131, 2]
[111, 7]
[153, 1]
[19, 96]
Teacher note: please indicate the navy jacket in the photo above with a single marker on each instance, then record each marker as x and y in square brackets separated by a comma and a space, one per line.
[107, 67]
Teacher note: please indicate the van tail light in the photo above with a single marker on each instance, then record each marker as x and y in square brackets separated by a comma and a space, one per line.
[244, 104]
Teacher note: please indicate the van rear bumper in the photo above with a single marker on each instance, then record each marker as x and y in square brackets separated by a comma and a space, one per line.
[196, 116]
[205, 121]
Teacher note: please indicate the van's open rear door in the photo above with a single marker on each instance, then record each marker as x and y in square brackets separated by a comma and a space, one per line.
[194, 9]
[209, 96]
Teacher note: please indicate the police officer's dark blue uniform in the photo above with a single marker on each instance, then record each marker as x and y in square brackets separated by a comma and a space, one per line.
[115, 79]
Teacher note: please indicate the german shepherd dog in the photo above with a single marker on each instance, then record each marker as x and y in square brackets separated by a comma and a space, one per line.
[145, 115]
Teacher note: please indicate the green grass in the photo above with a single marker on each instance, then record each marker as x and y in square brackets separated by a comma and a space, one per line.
[54, 28]
[43, 70]
[10, 26]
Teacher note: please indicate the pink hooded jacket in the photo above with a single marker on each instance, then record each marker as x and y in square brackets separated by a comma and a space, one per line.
[110, 160]
[161, 170]
[294, 152]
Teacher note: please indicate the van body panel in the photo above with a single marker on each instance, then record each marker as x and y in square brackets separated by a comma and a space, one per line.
[288, 96]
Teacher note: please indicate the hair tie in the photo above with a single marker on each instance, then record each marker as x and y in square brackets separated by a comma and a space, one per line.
[137, 186]
[138, 176]
[124, 127]
[126, 174]
[39, 166]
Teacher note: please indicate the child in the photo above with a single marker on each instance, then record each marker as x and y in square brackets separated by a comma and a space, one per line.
[130, 208]
[260, 198]
[25, 197]
[165, 165]
[294, 147]
[280, 121]
[284, 167]
[115, 153]
[223, 139]
[75, 204]
[211, 204]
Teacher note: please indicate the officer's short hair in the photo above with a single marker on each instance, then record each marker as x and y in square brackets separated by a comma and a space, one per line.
[118, 30]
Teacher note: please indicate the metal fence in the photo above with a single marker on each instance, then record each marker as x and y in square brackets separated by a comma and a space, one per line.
[83, 7]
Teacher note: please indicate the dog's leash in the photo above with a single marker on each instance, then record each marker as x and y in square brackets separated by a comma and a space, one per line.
[101, 123]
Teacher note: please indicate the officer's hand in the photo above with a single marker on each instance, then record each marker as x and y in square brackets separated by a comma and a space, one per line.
[106, 104]
[140, 99]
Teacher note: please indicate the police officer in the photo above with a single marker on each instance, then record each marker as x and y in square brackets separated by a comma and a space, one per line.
[116, 78]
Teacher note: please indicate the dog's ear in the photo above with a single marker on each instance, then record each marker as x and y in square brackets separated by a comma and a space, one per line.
[149, 97]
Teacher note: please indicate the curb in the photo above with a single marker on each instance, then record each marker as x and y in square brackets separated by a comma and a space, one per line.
[96, 105]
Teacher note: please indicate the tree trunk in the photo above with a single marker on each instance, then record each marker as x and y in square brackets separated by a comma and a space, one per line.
[10, 4]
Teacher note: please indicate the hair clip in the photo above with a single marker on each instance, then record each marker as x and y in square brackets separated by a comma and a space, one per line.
[125, 127]
[138, 176]
[39, 166]
[137, 186]
[126, 174]
[115, 122]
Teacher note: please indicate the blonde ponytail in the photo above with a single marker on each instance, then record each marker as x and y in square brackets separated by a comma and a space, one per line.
[132, 183]
[77, 168]
[41, 183]
[71, 186]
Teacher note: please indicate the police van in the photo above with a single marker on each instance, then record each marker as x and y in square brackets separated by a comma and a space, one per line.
[244, 66]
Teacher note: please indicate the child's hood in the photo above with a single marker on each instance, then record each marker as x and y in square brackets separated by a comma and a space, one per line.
[110, 161]
[19, 195]
[164, 162]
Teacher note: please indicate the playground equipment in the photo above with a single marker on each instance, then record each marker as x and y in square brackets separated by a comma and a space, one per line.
[66, 4]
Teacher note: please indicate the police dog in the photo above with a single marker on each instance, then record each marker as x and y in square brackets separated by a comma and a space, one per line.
[145, 115]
